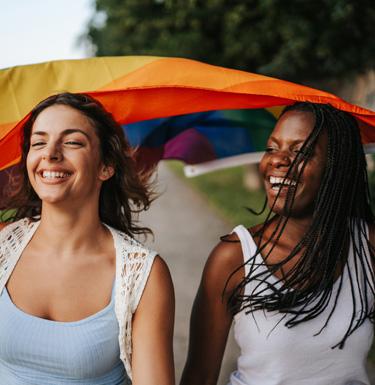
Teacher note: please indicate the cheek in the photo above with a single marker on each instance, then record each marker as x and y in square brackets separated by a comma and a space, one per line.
[89, 165]
[31, 165]
[262, 166]
[313, 177]
[31, 162]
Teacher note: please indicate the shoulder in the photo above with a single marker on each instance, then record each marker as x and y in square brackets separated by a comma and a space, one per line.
[130, 247]
[160, 270]
[159, 282]
[12, 236]
[141, 267]
[225, 260]
[226, 254]
[6, 228]
[8, 225]
[153, 282]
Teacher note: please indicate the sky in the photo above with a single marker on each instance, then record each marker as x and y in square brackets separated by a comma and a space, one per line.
[34, 31]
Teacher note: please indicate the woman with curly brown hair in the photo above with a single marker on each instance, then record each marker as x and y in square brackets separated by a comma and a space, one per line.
[82, 302]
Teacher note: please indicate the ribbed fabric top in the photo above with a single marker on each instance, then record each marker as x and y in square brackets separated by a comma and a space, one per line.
[133, 266]
[34, 350]
[272, 354]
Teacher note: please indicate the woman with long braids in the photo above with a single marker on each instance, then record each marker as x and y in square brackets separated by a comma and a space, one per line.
[81, 301]
[300, 286]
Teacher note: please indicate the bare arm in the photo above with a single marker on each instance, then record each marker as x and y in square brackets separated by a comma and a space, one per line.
[210, 319]
[152, 359]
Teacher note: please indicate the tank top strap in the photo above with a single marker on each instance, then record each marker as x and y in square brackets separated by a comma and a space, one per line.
[249, 248]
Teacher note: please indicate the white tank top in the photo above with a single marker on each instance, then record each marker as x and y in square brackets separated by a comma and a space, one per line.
[272, 354]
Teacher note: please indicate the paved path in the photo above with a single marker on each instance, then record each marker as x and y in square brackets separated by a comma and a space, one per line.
[186, 228]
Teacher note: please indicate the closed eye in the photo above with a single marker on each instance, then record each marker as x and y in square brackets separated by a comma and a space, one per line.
[303, 152]
[36, 144]
[74, 143]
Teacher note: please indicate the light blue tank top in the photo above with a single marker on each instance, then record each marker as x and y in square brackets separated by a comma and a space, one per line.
[34, 350]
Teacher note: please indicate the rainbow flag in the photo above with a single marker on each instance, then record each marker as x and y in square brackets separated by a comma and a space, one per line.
[170, 108]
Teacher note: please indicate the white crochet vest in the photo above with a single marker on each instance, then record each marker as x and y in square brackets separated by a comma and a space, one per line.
[133, 265]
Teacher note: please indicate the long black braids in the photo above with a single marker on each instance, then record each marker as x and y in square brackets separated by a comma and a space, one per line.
[342, 213]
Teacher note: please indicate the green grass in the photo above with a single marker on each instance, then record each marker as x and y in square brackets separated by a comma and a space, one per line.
[225, 192]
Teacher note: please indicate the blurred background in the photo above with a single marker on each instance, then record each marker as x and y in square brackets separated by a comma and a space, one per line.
[327, 44]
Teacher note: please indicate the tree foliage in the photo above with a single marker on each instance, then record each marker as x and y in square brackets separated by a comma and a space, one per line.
[294, 39]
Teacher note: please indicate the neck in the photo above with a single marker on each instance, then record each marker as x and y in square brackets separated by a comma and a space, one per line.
[70, 231]
[293, 230]
[298, 226]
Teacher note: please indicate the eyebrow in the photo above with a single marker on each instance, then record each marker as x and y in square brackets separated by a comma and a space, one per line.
[64, 133]
[295, 141]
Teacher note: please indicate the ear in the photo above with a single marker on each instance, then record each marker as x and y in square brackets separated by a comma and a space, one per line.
[106, 172]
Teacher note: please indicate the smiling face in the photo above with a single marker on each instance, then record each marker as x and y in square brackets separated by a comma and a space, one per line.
[64, 157]
[285, 142]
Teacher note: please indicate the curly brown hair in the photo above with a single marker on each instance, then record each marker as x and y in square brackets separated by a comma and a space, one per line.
[128, 192]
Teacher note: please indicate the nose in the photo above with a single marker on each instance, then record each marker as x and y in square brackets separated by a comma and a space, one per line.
[52, 153]
[280, 159]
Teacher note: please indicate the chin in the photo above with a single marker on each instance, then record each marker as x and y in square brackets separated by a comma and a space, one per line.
[52, 201]
[294, 212]
[52, 198]
[277, 207]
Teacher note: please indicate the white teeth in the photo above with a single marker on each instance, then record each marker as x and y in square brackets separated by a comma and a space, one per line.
[281, 181]
[54, 174]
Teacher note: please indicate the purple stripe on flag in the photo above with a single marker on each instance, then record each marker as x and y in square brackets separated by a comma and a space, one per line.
[190, 146]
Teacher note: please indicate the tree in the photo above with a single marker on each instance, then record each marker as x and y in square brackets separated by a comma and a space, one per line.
[295, 39]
